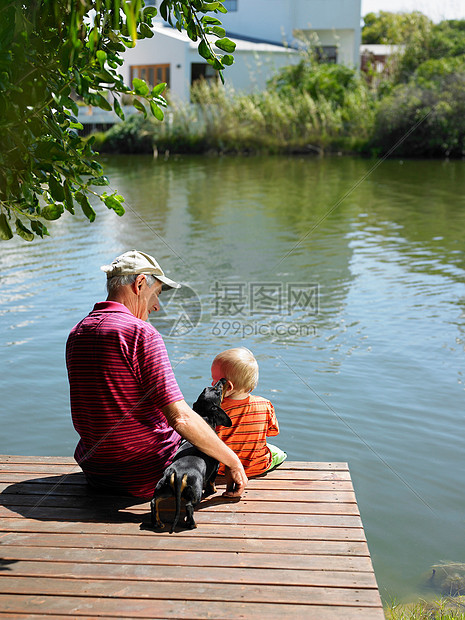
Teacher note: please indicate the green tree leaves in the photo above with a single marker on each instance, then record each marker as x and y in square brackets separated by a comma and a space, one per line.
[425, 87]
[86, 207]
[393, 28]
[53, 54]
[140, 87]
[322, 81]
[193, 16]
[5, 228]
[114, 201]
[226, 45]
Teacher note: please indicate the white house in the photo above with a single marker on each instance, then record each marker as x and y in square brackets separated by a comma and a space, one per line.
[171, 57]
[267, 35]
[335, 22]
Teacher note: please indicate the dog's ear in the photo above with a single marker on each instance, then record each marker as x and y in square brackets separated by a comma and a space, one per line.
[199, 405]
[221, 417]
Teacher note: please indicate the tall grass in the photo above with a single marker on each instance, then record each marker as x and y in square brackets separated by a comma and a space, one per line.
[442, 609]
[269, 122]
[448, 580]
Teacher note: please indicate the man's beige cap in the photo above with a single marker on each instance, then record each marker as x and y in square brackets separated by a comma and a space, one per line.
[138, 262]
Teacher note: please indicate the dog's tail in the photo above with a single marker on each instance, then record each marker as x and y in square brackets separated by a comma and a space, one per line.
[178, 487]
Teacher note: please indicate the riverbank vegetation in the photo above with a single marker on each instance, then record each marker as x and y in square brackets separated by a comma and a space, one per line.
[274, 121]
[442, 609]
[447, 580]
[415, 107]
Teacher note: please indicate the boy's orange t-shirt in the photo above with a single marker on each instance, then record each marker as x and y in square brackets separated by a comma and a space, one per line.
[253, 420]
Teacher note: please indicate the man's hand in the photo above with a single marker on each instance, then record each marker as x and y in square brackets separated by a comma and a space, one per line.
[236, 481]
[193, 428]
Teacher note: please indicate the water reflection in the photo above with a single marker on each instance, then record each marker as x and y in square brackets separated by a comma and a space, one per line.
[372, 373]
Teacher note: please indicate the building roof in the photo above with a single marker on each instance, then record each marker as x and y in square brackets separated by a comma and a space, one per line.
[242, 44]
[380, 50]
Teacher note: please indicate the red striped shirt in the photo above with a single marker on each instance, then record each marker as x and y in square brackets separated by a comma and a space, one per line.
[120, 377]
[253, 420]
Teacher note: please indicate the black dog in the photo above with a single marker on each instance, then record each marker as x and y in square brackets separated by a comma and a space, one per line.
[192, 472]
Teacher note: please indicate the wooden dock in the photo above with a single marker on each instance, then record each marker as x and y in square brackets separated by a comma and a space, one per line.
[293, 547]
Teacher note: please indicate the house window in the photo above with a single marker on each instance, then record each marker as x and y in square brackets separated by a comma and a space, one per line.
[326, 53]
[203, 71]
[152, 74]
[230, 5]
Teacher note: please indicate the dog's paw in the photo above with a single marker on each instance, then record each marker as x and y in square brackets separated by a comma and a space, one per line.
[210, 490]
[190, 525]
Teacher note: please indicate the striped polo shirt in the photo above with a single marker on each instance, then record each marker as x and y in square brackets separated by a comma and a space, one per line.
[253, 420]
[120, 377]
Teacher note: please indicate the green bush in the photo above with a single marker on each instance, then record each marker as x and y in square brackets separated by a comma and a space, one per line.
[442, 609]
[325, 81]
[432, 102]
[396, 28]
[223, 121]
[134, 135]
[435, 42]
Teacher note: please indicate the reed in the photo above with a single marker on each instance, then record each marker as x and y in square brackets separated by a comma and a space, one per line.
[221, 120]
[441, 609]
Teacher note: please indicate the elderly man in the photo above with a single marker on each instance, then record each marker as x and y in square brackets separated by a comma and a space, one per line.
[125, 402]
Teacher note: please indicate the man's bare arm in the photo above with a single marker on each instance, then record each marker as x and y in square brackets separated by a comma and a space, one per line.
[192, 427]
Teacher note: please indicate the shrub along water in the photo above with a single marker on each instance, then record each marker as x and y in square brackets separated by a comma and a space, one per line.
[432, 101]
[278, 120]
[441, 609]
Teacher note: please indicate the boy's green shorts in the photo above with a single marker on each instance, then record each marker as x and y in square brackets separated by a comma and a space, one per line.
[278, 456]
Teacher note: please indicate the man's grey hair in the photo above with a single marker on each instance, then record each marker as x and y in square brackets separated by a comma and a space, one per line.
[116, 282]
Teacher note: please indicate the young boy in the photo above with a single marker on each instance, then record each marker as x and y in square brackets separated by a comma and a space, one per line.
[253, 417]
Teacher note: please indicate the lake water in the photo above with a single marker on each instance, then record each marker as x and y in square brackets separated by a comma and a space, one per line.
[345, 278]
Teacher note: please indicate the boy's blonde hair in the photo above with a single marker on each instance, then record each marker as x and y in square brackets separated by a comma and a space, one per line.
[239, 366]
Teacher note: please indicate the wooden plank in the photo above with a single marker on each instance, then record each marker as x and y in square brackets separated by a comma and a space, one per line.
[15, 616]
[28, 458]
[137, 608]
[190, 558]
[110, 515]
[125, 531]
[171, 591]
[212, 574]
[28, 616]
[68, 460]
[273, 492]
[17, 478]
[231, 545]
[299, 514]
[38, 468]
[313, 465]
[263, 501]
[304, 475]
[290, 513]
[292, 478]
[266, 498]
[44, 485]
[216, 531]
